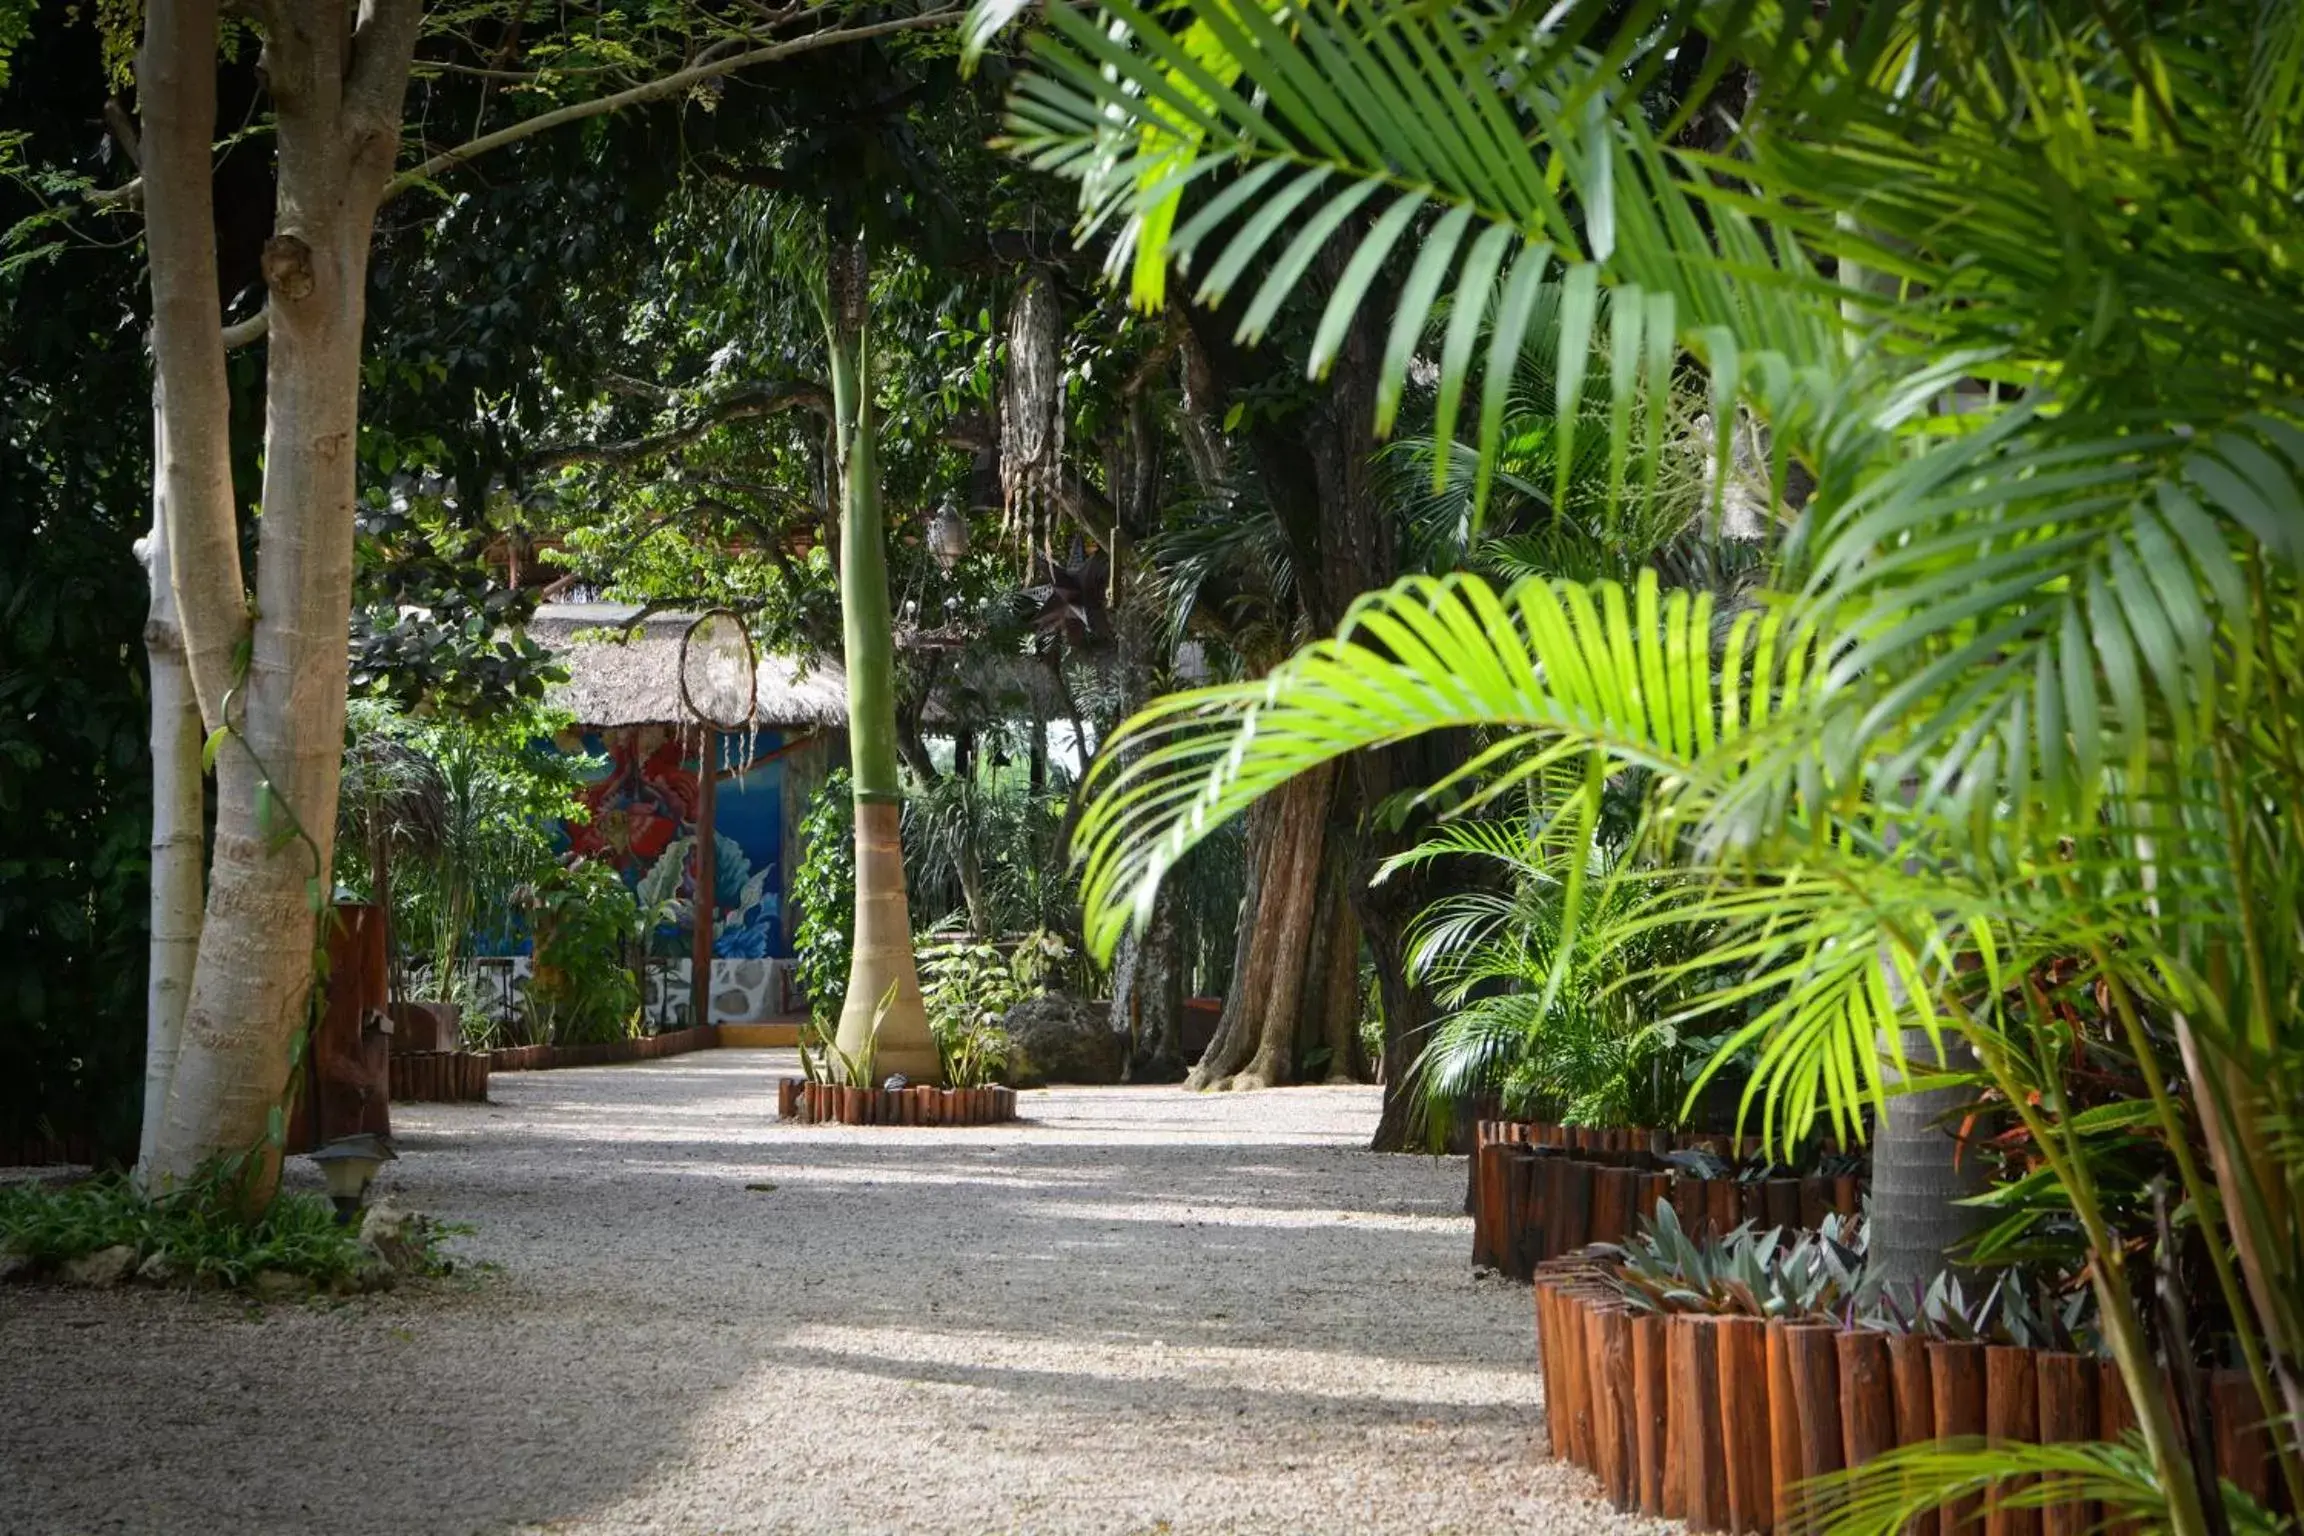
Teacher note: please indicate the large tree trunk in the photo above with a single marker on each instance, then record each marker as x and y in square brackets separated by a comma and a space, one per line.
[1148, 995]
[1282, 970]
[883, 1019]
[1386, 912]
[179, 830]
[337, 95]
[1331, 1012]
[1315, 468]
[1148, 970]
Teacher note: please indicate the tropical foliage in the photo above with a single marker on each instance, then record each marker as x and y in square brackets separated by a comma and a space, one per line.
[1579, 1038]
[824, 898]
[589, 931]
[2014, 724]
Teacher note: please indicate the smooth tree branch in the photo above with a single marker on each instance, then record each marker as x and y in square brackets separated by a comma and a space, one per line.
[390, 14]
[656, 90]
[739, 405]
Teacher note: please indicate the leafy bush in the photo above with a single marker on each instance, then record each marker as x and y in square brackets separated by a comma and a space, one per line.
[467, 810]
[1554, 1017]
[824, 897]
[197, 1235]
[587, 925]
[968, 989]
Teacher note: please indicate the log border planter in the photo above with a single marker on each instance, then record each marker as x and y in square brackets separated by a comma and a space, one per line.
[1716, 1420]
[921, 1104]
[439, 1077]
[1540, 1192]
[604, 1053]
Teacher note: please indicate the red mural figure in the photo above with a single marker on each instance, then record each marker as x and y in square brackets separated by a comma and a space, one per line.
[647, 797]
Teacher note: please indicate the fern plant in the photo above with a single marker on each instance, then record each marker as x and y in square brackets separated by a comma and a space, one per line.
[1574, 1034]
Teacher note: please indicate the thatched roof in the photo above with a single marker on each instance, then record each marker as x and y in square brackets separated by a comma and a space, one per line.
[636, 680]
[616, 681]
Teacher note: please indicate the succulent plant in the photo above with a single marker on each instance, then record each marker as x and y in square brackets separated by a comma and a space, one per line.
[1749, 1272]
[2019, 1307]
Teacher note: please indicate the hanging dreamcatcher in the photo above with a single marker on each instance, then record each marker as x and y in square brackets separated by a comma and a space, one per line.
[1032, 414]
[720, 674]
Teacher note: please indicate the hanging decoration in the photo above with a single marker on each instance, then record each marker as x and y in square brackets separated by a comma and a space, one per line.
[1032, 414]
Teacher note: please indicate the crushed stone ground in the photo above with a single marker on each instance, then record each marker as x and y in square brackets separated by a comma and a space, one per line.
[1144, 1310]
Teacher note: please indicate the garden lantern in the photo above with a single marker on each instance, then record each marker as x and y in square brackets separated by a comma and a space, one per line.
[349, 1163]
[948, 535]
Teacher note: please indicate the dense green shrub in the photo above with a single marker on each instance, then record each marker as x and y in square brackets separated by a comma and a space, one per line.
[588, 928]
[824, 897]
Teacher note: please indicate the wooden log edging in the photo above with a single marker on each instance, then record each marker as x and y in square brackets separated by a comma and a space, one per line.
[920, 1104]
[604, 1053]
[1717, 1420]
[439, 1077]
[1533, 1200]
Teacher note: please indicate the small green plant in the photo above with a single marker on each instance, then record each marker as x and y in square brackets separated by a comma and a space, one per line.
[195, 1235]
[969, 988]
[2019, 1307]
[829, 1063]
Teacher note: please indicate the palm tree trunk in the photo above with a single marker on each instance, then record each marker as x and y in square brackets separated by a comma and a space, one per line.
[883, 1020]
[1918, 1177]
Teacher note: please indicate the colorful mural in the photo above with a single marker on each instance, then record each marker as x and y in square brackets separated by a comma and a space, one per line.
[644, 802]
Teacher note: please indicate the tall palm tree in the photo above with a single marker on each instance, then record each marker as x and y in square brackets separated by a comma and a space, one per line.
[792, 251]
[2014, 288]
[884, 1020]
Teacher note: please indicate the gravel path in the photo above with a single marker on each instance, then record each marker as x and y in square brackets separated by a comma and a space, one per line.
[1142, 1311]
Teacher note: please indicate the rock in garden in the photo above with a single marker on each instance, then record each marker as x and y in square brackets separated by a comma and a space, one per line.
[14, 1266]
[394, 1236]
[104, 1267]
[160, 1269]
[1060, 1039]
[278, 1285]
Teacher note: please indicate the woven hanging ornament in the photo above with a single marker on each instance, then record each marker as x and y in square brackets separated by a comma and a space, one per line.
[1032, 414]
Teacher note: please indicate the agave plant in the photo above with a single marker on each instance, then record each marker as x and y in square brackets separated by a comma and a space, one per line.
[2013, 287]
[1799, 1276]
[2018, 1307]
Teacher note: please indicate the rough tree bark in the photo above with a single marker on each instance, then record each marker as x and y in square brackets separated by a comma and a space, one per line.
[270, 665]
[272, 673]
[1315, 469]
[1919, 1176]
[1272, 979]
[1331, 1012]
[1148, 970]
[881, 969]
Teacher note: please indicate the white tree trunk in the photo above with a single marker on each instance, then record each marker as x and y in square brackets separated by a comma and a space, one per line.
[179, 839]
[276, 680]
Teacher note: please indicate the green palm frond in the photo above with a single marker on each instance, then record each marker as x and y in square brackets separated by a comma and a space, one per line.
[2015, 289]
[1595, 676]
[1219, 135]
[1887, 1493]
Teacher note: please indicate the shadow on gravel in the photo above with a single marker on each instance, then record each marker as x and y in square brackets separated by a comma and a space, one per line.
[642, 1280]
